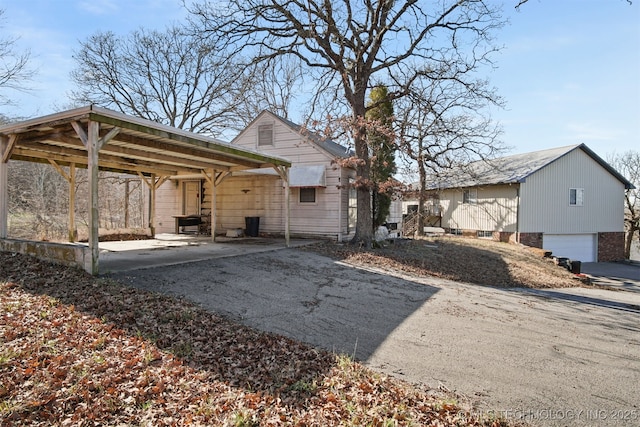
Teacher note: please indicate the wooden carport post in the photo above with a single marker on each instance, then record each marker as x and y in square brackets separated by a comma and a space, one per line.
[283, 171]
[214, 178]
[6, 147]
[154, 183]
[92, 142]
[93, 148]
[71, 179]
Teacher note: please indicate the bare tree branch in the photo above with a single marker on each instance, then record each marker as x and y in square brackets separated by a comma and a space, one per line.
[14, 66]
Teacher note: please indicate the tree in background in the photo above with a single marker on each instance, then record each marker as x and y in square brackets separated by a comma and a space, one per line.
[180, 79]
[346, 45]
[443, 127]
[170, 77]
[381, 140]
[14, 69]
[628, 164]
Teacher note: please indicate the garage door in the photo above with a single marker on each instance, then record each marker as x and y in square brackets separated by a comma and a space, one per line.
[580, 247]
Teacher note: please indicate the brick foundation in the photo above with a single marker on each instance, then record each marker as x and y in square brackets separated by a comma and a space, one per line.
[531, 239]
[610, 246]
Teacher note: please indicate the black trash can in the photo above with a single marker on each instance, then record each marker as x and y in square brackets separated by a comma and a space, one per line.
[576, 266]
[252, 225]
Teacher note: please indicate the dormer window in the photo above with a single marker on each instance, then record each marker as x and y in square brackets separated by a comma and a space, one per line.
[265, 135]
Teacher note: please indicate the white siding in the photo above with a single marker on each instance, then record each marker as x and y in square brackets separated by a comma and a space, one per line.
[495, 210]
[168, 203]
[544, 205]
[328, 216]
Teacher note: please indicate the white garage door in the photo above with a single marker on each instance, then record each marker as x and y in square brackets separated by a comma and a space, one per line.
[580, 247]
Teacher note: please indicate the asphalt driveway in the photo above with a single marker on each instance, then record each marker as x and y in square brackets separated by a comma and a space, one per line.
[618, 275]
[541, 357]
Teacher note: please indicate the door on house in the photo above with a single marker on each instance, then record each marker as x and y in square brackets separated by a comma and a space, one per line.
[191, 198]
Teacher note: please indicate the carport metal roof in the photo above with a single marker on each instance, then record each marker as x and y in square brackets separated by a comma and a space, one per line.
[101, 139]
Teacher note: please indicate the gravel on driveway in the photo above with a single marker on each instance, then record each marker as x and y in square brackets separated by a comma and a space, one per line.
[541, 357]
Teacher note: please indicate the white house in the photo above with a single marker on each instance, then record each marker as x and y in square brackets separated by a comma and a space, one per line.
[567, 200]
[321, 204]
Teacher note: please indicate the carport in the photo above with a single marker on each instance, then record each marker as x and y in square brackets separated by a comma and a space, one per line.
[101, 139]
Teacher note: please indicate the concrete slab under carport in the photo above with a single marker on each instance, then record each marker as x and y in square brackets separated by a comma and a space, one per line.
[172, 249]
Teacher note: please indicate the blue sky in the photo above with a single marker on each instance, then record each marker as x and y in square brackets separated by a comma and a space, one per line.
[569, 70]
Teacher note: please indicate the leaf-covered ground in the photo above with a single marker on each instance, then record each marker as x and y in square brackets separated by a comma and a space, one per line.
[81, 351]
[478, 261]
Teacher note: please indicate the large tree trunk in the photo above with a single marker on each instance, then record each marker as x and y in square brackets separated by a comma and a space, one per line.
[422, 197]
[364, 217]
[627, 243]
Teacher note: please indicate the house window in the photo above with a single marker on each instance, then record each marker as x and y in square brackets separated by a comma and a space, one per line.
[576, 197]
[470, 196]
[456, 231]
[308, 195]
[484, 234]
[265, 134]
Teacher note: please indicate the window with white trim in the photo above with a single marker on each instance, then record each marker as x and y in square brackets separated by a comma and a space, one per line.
[265, 134]
[470, 196]
[307, 195]
[576, 197]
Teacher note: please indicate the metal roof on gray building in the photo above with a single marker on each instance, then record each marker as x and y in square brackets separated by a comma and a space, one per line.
[515, 169]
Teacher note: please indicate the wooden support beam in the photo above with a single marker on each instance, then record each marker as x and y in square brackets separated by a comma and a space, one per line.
[108, 137]
[7, 151]
[111, 163]
[153, 183]
[4, 196]
[82, 134]
[94, 219]
[221, 177]
[71, 180]
[58, 168]
[283, 171]
[73, 233]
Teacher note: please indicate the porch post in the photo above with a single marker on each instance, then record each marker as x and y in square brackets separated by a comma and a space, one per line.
[71, 180]
[72, 202]
[283, 171]
[287, 201]
[4, 176]
[92, 166]
[152, 206]
[214, 205]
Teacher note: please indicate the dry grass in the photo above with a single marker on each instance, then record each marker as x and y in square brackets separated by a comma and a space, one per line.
[478, 261]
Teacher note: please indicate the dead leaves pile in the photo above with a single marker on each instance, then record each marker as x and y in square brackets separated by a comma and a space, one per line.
[466, 260]
[75, 350]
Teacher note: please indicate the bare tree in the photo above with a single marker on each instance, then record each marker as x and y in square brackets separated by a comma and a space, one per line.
[170, 77]
[263, 87]
[14, 66]
[628, 164]
[348, 44]
[443, 125]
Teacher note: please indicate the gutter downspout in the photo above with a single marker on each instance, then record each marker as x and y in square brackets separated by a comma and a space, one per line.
[518, 214]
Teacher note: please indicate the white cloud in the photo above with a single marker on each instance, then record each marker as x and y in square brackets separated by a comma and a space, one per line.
[99, 7]
[592, 131]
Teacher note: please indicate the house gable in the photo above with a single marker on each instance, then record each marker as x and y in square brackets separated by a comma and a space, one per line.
[548, 204]
[290, 141]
